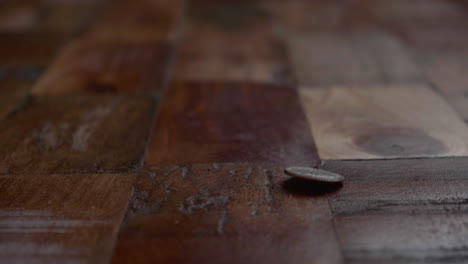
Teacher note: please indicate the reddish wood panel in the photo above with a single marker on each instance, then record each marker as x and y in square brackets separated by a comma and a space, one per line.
[76, 134]
[402, 210]
[225, 213]
[231, 122]
[61, 218]
[357, 58]
[96, 66]
[231, 41]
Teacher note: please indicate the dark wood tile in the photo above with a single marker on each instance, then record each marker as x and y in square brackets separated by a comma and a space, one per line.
[93, 66]
[76, 134]
[406, 211]
[231, 122]
[225, 213]
[357, 58]
[61, 218]
[231, 41]
[436, 168]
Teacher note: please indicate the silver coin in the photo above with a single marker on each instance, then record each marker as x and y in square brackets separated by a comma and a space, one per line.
[314, 174]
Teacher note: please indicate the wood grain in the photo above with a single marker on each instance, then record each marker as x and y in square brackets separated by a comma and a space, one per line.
[231, 122]
[447, 71]
[383, 122]
[225, 213]
[231, 41]
[61, 218]
[76, 134]
[360, 58]
[93, 66]
[403, 211]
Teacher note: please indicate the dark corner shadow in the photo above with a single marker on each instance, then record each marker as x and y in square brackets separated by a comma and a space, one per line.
[298, 186]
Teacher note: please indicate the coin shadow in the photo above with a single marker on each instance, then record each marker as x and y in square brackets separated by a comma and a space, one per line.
[302, 187]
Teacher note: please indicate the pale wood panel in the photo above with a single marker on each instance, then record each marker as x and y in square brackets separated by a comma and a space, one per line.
[368, 57]
[226, 213]
[61, 218]
[383, 122]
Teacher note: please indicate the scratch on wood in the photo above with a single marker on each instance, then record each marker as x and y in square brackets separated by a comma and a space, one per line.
[202, 201]
[268, 186]
[90, 122]
[249, 173]
[217, 166]
[222, 222]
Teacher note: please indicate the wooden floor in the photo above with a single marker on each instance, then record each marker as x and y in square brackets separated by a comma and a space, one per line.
[157, 131]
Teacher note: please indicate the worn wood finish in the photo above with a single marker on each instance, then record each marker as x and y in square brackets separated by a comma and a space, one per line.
[61, 218]
[383, 122]
[447, 71]
[360, 58]
[231, 41]
[93, 66]
[76, 134]
[231, 122]
[408, 211]
[226, 213]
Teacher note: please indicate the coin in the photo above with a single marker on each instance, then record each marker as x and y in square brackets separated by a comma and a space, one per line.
[314, 174]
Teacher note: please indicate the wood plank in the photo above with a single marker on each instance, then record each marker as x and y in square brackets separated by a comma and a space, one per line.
[231, 122]
[32, 49]
[76, 134]
[225, 213]
[448, 72]
[139, 21]
[15, 85]
[93, 66]
[320, 15]
[402, 211]
[434, 168]
[61, 218]
[425, 13]
[406, 186]
[359, 58]
[383, 122]
[231, 41]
